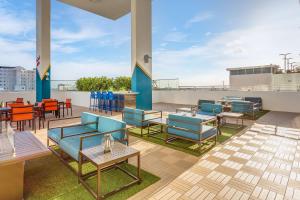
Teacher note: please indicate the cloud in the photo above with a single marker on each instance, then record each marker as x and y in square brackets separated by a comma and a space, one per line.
[175, 36]
[89, 68]
[203, 16]
[258, 43]
[14, 23]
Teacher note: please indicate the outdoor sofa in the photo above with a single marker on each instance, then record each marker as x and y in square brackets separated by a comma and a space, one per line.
[74, 140]
[245, 107]
[191, 129]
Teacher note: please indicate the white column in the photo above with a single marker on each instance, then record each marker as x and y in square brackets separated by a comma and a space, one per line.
[43, 9]
[141, 58]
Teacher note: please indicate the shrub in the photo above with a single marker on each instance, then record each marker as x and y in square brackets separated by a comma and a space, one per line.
[103, 83]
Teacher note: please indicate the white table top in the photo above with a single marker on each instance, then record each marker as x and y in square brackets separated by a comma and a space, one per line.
[118, 152]
[27, 147]
[231, 114]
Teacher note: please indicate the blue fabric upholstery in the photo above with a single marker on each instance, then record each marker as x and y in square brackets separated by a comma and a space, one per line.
[242, 107]
[135, 117]
[106, 124]
[200, 101]
[186, 122]
[71, 145]
[89, 118]
[55, 134]
[210, 109]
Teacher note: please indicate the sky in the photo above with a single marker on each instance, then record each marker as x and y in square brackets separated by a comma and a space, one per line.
[193, 40]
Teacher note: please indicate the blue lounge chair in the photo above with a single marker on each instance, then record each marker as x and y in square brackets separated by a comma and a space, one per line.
[210, 109]
[88, 124]
[139, 118]
[190, 128]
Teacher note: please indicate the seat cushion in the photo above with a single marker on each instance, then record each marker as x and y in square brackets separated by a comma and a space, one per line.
[207, 131]
[71, 145]
[55, 134]
[106, 124]
[87, 117]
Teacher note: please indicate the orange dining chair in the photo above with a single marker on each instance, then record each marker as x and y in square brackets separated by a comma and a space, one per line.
[21, 114]
[69, 106]
[51, 106]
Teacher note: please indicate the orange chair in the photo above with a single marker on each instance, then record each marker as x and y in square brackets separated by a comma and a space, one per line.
[69, 106]
[51, 106]
[21, 114]
[19, 100]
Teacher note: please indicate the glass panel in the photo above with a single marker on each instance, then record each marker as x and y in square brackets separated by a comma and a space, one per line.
[257, 71]
[249, 71]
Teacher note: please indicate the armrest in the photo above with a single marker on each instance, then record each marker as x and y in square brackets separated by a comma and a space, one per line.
[209, 121]
[53, 120]
[82, 138]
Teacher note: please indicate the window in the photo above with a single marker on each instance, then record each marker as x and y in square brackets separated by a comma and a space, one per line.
[249, 71]
[257, 70]
[266, 70]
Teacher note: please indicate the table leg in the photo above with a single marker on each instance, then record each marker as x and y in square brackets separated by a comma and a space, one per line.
[98, 183]
[63, 110]
[79, 167]
[139, 167]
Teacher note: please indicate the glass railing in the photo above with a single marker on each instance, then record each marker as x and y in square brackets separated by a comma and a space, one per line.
[63, 85]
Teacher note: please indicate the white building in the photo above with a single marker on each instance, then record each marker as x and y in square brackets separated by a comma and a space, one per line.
[16, 79]
[263, 78]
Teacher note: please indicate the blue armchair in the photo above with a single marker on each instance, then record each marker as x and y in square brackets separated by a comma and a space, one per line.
[190, 128]
[245, 107]
[210, 109]
[139, 118]
[88, 124]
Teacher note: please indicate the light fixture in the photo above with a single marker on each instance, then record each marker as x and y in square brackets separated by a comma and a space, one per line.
[146, 58]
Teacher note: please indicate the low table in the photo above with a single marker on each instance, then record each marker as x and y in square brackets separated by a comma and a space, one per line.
[103, 161]
[236, 116]
[161, 122]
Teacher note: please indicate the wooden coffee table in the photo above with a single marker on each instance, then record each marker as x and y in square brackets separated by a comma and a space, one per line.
[105, 161]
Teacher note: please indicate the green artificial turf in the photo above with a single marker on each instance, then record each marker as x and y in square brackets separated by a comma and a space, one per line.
[185, 145]
[48, 178]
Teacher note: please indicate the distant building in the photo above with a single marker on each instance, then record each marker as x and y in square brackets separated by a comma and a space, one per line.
[16, 79]
[263, 78]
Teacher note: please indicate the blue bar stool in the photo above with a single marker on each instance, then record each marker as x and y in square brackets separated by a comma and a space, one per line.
[98, 100]
[121, 102]
[92, 100]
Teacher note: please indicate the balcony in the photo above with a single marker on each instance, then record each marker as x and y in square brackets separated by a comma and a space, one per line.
[244, 163]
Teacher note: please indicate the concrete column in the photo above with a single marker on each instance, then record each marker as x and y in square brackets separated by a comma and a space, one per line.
[43, 9]
[141, 55]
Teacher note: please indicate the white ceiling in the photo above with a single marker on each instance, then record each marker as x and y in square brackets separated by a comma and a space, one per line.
[112, 9]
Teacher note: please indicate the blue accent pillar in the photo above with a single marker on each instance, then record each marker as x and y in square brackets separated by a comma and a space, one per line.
[43, 87]
[142, 84]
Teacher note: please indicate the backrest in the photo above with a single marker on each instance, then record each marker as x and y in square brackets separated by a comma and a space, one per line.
[21, 113]
[19, 100]
[50, 105]
[68, 103]
[106, 124]
[14, 104]
[200, 101]
[133, 116]
[241, 106]
[207, 107]
[179, 120]
[217, 108]
[93, 95]
[254, 99]
[87, 117]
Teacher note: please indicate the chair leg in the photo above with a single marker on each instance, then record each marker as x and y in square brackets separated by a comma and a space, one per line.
[141, 131]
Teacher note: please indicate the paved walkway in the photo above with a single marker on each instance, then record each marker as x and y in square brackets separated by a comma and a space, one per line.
[254, 165]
